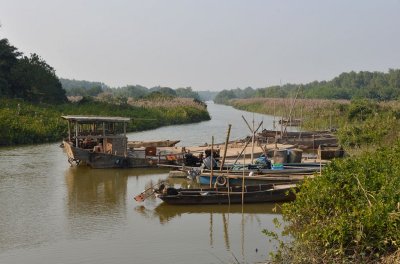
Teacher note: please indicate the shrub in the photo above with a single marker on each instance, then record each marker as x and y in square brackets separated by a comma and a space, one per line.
[349, 214]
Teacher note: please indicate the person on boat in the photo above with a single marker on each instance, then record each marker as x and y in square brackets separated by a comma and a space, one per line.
[208, 162]
[191, 160]
[263, 160]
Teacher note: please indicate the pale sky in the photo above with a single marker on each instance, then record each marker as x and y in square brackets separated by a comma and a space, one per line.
[208, 45]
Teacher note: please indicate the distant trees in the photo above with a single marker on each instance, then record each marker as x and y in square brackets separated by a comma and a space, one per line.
[207, 95]
[351, 85]
[187, 93]
[28, 78]
[97, 89]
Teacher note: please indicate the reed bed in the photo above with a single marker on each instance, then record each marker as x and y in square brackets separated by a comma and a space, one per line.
[166, 103]
[26, 123]
[317, 114]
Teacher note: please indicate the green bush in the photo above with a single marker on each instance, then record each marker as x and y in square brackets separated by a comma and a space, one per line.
[26, 123]
[349, 214]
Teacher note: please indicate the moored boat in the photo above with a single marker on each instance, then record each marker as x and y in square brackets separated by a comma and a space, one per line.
[101, 142]
[327, 152]
[152, 143]
[302, 139]
[262, 193]
[221, 179]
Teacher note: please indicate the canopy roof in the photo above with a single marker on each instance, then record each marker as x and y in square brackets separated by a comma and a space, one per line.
[85, 119]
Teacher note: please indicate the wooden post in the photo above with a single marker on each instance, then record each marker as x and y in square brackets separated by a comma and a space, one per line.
[313, 143]
[76, 134]
[244, 164]
[226, 146]
[212, 159]
[125, 142]
[245, 146]
[69, 131]
[252, 143]
[253, 132]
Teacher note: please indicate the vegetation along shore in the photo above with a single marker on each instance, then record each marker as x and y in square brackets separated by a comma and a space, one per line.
[32, 99]
[351, 213]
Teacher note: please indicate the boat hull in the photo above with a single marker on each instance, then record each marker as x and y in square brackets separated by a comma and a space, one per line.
[265, 194]
[237, 180]
[99, 160]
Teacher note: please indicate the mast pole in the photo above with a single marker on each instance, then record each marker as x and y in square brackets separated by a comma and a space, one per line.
[212, 160]
[226, 146]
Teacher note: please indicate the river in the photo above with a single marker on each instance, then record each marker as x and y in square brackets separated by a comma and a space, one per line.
[53, 213]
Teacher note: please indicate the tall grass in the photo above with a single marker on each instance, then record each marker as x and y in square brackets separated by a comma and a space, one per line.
[26, 123]
[317, 114]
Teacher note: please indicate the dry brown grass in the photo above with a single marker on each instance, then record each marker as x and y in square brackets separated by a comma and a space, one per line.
[392, 258]
[165, 103]
[282, 106]
[316, 113]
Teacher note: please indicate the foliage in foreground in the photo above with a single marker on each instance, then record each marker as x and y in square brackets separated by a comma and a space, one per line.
[26, 123]
[349, 214]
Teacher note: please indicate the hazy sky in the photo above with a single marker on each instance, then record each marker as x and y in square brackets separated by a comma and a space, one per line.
[208, 45]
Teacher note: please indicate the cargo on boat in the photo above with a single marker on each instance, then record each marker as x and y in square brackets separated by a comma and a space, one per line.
[101, 142]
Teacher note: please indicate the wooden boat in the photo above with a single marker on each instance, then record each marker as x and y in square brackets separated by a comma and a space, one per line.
[153, 143]
[290, 122]
[300, 134]
[304, 143]
[300, 139]
[254, 175]
[327, 152]
[101, 142]
[221, 179]
[262, 193]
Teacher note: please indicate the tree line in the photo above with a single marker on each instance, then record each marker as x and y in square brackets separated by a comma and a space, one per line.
[32, 99]
[381, 86]
[86, 88]
[27, 77]
[30, 78]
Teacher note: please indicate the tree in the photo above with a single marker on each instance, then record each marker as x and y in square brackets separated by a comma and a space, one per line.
[187, 93]
[8, 58]
[224, 96]
[33, 79]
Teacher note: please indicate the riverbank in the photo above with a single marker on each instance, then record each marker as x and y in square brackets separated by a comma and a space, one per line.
[316, 114]
[50, 209]
[351, 213]
[26, 123]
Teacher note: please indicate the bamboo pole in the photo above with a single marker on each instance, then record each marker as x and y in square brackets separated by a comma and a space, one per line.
[244, 163]
[247, 143]
[76, 134]
[212, 160]
[226, 146]
[253, 132]
[252, 143]
[211, 229]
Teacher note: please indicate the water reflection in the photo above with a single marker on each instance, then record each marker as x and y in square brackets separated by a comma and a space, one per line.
[97, 199]
[227, 227]
[166, 213]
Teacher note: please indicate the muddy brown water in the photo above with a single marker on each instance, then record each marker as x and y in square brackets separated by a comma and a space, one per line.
[53, 213]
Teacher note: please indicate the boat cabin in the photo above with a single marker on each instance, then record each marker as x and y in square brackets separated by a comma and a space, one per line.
[98, 133]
